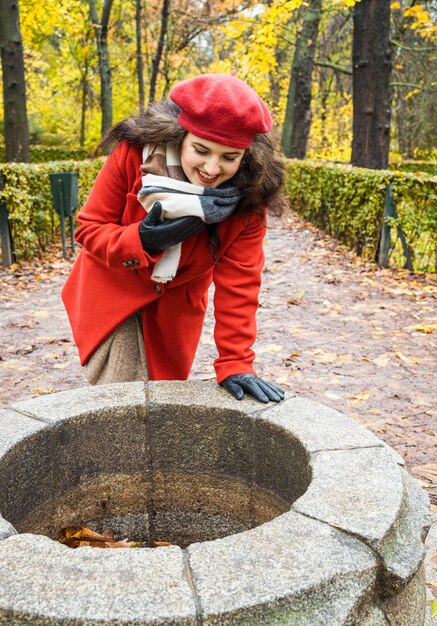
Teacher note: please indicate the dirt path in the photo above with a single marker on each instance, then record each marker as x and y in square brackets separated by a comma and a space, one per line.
[331, 328]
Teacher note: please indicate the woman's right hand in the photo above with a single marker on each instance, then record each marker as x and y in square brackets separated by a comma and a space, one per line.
[156, 235]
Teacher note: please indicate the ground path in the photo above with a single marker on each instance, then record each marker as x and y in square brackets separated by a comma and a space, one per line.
[332, 327]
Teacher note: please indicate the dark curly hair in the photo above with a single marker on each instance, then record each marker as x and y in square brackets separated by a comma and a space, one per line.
[260, 173]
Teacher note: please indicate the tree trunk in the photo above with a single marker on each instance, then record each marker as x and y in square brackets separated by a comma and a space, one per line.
[371, 61]
[16, 131]
[297, 121]
[159, 49]
[140, 66]
[101, 30]
[84, 88]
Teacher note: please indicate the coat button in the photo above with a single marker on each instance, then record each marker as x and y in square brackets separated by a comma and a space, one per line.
[157, 289]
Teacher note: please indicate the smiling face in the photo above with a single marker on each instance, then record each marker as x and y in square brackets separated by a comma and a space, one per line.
[208, 163]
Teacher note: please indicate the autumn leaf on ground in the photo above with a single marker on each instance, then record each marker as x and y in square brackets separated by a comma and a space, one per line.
[324, 356]
[296, 299]
[382, 360]
[42, 314]
[273, 347]
[292, 356]
[361, 396]
[427, 471]
[425, 328]
[433, 586]
[407, 360]
[124, 543]
[79, 536]
[332, 396]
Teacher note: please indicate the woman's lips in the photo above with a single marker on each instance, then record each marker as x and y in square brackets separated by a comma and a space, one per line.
[207, 180]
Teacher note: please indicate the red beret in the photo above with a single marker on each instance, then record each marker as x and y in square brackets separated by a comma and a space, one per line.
[221, 108]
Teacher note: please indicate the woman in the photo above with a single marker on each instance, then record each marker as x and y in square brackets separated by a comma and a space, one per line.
[203, 169]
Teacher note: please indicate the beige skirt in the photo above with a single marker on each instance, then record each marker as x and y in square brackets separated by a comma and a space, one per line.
[121, 358]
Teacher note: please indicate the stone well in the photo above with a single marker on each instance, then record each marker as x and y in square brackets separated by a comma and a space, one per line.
[280, 514]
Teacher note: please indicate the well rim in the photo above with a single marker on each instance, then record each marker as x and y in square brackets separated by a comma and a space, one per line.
[195, 601]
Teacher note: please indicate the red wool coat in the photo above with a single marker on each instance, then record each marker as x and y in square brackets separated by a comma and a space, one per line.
[111, 280]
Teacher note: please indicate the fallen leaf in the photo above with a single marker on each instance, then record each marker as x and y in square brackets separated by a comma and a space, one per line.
[407, 360]
[124, 543]
[425, 328]
[324, 356]
[273, 347]
[332, 396]
[79, 536]
[382, 360]
[42, 314]
[427, 471]
[361, 396]
[292, 356]
[42, 390]
[25, 350]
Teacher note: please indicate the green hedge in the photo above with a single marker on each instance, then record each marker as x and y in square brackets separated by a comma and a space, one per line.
[416, 167]
[348, 203]
[28, 199]
[45, 154]
[345, 201]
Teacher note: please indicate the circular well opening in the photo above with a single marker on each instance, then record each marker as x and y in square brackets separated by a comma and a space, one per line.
[181, 475]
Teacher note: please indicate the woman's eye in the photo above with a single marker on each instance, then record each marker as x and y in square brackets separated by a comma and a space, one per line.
[197, 151]
[226, 158]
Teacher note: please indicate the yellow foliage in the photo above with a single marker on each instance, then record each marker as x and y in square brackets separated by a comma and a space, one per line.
[410, 94]
[251, 41]
[424, 24]
[257, 43]
[331, 133]
[339, 4]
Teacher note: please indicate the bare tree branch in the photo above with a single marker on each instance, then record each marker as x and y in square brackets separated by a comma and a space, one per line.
[334, 66]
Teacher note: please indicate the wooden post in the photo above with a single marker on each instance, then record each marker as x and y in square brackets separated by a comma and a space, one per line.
[8, 255]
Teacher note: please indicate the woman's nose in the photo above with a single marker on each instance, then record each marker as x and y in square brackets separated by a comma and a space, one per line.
[212, 166]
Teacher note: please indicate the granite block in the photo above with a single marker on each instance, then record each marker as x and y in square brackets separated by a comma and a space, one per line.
[319, 427]
[40, 578]
[366, 494]
[6, 529]
[292, 570]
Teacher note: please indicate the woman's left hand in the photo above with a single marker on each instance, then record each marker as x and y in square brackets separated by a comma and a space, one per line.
[260, 389]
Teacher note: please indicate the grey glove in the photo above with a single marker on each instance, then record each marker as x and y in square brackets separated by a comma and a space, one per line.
[156, 235]
[260, 389]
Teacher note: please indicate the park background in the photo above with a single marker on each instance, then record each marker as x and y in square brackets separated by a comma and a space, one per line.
[347, 82]
[352, 87]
